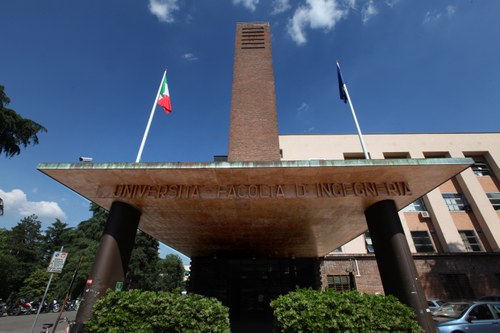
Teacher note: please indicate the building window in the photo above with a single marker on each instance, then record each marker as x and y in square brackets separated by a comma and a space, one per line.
[481, 168]
[470, 240]
[422, 241]
[354, 156]
[416, 206]
[369, 243]
[341, 282]
[456, 286]
[494, 199]
[337, 250]
[455, 202]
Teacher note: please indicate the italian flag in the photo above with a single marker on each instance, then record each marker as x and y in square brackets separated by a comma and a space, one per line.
[164, 96]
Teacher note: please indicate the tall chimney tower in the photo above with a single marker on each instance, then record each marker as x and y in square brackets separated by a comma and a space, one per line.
[253, 133]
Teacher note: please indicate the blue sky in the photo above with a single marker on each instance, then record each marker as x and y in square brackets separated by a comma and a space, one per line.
[89, 70]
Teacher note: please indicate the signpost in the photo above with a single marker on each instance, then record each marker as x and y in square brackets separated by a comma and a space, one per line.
[57, 262]
[56, 265]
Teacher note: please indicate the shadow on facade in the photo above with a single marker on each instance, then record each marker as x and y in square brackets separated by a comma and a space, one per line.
[454, 277]
[247, 285]
[446, 276]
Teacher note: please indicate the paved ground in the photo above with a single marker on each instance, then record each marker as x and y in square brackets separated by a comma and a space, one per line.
[23, 324]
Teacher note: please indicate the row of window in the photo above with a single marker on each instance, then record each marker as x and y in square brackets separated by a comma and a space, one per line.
[423, 241]
[455, 201]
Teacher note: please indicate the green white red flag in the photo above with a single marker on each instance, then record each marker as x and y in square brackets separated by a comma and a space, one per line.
[164, 96]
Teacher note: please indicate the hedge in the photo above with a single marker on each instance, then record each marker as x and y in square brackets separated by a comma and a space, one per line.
[157, 312]
[311, 311]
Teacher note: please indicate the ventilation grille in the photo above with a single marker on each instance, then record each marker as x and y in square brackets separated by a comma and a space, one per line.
[253, 38]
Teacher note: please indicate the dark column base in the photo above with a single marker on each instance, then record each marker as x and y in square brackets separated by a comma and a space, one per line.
[395, 262]
[112, 258]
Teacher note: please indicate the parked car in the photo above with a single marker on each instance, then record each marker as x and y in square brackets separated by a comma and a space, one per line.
[433, 304]
[489, 298]
[459, 317]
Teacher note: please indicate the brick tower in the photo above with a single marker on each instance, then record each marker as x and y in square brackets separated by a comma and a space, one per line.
[253, 134]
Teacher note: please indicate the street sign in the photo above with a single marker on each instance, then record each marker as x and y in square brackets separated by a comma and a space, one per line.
[57, 262]
[119, 286]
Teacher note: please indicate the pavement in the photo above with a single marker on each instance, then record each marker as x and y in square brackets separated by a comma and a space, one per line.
[23, 323]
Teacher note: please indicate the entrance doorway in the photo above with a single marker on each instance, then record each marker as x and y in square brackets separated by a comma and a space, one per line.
[247, 285]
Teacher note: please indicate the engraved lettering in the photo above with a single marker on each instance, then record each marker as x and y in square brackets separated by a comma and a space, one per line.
[325, 189]
[300, 190]
[279, 192]
[371, 189]
[348, 189]
[195, 193]
[232, 192]
[359, 189]
[253, 191]
[392, 189]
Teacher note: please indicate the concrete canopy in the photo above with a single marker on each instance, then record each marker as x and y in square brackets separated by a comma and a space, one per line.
[282, 209]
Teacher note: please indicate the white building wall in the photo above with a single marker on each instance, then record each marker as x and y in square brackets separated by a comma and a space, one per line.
[339, 147]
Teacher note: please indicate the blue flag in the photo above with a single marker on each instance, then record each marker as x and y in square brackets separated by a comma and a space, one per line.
[342, 93]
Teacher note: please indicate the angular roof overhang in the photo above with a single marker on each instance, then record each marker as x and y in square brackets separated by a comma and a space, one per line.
[288, 208]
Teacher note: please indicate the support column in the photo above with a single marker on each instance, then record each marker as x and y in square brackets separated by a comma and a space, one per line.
[112, 258]
[395, 262]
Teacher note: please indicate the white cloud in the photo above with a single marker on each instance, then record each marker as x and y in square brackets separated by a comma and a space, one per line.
[163, 9]
[190, 57]
[280, 6]
[368, 11]
[434, 17]
[431, 17]
[391, 3]
[17, 205]
[303, 108]
[316, 14]
[451, 10]
[249, 4]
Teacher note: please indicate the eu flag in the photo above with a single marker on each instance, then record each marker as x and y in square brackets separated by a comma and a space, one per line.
[343, 95]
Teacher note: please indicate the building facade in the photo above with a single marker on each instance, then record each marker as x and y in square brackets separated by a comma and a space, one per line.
[453, 232]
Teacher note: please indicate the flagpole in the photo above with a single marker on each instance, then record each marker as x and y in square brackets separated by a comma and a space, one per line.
[356, 122]
[363, 146]
[139, 154]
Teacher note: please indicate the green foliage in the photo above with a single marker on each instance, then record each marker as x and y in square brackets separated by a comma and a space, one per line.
[155, 312]
[24, 244]
[143, 266]
[25, 249]
[35, 284]
[15, 131]
[309, 311]
[171, 274]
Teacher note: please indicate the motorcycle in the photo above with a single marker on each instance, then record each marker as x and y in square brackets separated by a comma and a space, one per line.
[54, 306]
[21, 307]
[3, 308]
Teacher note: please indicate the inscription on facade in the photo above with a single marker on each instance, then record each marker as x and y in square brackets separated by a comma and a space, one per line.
[262, 191]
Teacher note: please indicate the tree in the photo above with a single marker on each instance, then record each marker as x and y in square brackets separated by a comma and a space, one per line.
[171, 273]
[56, 236]
[82, 241]
[8, 264]
[23, 253]
[35, 284]
[15, 131]
[142, 270]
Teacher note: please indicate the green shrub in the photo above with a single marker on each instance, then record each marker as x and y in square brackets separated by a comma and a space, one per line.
[308, 311]
[157, 312]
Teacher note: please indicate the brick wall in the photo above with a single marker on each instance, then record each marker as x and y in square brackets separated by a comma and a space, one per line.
[481, 269]
[253, 134]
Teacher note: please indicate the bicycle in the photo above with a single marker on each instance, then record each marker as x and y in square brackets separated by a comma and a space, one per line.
[46, 326]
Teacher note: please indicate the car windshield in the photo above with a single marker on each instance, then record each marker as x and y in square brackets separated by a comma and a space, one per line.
[451, 310]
